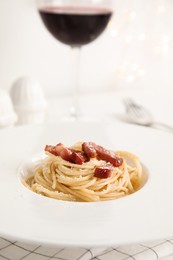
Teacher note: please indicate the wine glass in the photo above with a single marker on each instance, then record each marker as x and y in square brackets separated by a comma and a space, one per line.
[75, 23]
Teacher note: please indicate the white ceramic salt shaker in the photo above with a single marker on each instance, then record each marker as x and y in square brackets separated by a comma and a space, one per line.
[7, 115]
[28, 101]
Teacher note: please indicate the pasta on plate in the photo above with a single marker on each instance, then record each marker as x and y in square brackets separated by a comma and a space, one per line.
[85, 172]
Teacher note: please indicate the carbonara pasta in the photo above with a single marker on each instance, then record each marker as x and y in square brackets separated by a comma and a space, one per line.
[85, 172]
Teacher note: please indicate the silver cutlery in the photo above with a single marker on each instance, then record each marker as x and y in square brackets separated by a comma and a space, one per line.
[139, 115]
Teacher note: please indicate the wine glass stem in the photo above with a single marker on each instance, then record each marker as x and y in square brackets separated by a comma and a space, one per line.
[74, 110]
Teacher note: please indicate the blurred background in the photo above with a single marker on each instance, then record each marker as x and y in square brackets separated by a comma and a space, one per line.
[136, 51]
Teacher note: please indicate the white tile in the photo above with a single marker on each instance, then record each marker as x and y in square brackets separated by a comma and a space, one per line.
[71, 253]
[164, 249]
[33, 256]
[148, 254]
[3, 243]
[131, 250]
[112, 255]
[98, 251]
[13, 252]
[47, 251]
[86, 256]
[28, 247]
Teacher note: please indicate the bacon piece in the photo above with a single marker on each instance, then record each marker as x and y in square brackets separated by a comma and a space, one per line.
[59, 147]
[78, 157]
[89, 150]
[55, 150]
[59, 150]
[108, 156]
[66, 154]
[73, 156]
[103, 172]
[51, 149]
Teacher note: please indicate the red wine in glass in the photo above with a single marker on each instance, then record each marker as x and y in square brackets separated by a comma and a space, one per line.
[75, 26]
[75, 23]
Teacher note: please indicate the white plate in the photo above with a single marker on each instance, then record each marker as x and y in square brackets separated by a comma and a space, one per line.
[143, 216]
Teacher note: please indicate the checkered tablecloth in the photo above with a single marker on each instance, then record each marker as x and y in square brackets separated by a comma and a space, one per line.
[15, 250]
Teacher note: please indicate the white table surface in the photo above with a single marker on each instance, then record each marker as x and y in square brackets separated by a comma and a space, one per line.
[109, 106]
[103, 106]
